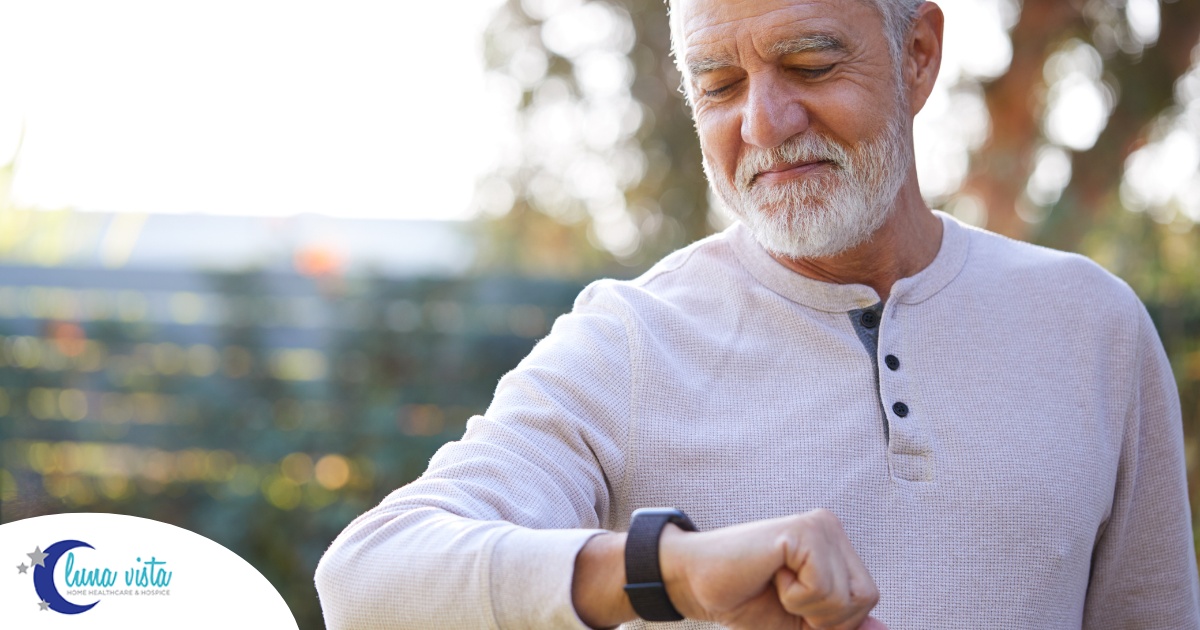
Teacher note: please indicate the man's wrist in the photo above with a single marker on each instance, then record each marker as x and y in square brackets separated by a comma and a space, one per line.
[672, 558]
[597, 589]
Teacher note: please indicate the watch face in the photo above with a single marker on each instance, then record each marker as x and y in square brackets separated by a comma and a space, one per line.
[672, 515]
[657, 511]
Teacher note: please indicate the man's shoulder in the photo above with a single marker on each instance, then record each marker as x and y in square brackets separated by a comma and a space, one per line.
[1045, 274]
[704, 270]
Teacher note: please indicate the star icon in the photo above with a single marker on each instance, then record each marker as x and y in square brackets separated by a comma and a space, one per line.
[21, 568]
[37, 557]
[43, 606]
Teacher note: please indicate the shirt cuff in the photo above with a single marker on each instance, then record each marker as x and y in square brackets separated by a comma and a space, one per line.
[531, 575]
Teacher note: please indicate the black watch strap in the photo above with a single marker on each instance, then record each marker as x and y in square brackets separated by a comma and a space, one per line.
[643, 575]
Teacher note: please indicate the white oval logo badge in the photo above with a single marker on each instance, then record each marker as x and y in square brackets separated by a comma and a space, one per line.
[110, 571]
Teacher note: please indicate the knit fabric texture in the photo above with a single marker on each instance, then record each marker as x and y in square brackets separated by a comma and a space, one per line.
[1036, 478]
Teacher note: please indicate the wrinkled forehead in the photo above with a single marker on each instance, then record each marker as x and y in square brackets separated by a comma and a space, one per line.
[687, 16]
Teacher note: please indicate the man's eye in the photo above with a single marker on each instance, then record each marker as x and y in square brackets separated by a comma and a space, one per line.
[718, 91]
[813, 73]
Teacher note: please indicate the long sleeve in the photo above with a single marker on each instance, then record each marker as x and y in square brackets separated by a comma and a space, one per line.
[487, 537]
[1144, 565]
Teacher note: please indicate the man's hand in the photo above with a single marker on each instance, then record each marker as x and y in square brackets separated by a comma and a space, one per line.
[790, 573]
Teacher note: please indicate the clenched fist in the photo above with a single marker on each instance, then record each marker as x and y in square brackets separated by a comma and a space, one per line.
[794, 573]
[790, 572]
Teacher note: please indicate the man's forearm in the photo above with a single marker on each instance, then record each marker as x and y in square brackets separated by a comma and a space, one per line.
[598, 588]
[404, 566]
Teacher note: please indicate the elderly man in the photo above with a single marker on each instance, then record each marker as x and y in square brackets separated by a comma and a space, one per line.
[871, 413]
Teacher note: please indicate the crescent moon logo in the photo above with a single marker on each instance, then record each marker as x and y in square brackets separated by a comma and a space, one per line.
[43, 579]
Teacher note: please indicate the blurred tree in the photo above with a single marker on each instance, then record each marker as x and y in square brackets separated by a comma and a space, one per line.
[1134, 61]
[606, 166]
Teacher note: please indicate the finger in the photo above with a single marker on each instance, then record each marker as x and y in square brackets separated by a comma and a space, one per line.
[795, 596]
[820, 591]
[870, 623]
[811, 582]
[805, 578]
[785, 581]
[853, 595]
[836, 606]
[852, 621]
[837, 600]
[864, 594]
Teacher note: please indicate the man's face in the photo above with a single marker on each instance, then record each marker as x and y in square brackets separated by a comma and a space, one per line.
[803, 126]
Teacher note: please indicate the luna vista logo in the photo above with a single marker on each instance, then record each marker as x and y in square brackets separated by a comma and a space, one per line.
[148, 577]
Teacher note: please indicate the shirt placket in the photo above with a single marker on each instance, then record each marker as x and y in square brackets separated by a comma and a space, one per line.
[910, 449]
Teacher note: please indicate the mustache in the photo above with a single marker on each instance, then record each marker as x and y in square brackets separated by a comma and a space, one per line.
[797, 149]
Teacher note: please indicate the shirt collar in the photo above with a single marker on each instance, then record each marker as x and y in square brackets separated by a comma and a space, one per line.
[840, 298]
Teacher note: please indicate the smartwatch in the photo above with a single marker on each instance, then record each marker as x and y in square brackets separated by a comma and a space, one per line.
[643, 575]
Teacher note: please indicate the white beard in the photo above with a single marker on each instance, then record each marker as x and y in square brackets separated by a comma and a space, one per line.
[825, 214]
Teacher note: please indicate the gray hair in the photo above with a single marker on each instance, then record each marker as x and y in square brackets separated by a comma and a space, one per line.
[898, 17]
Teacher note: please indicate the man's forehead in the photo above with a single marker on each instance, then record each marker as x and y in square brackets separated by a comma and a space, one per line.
[717, 8]
[698, 22]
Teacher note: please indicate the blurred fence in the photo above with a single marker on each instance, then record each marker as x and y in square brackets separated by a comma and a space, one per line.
[265, 411]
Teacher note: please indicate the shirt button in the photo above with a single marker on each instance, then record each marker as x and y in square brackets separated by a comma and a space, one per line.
[869, 319]
[900, 409]
[892, 362]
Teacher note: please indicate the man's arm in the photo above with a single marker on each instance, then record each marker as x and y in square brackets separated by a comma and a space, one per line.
[1144, 564]
[763, 575]
[488, 536]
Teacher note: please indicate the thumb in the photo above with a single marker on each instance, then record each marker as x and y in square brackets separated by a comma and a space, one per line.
[872, 624]
[785, 580]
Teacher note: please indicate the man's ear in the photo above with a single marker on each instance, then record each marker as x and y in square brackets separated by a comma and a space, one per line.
[922, 55]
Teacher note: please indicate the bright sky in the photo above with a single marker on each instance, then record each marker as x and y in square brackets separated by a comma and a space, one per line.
[355, 109]
[270, 107]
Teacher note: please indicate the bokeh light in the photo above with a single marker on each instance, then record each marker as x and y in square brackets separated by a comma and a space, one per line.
[194, 328]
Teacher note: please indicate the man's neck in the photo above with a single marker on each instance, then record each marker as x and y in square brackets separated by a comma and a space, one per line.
[905, 244]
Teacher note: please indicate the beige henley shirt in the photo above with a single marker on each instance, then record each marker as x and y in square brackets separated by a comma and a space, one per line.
[1035, 478]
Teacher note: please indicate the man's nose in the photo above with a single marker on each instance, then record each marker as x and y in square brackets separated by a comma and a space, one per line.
[773, 113]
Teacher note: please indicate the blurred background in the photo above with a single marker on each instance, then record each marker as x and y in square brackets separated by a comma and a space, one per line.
[258, 260]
